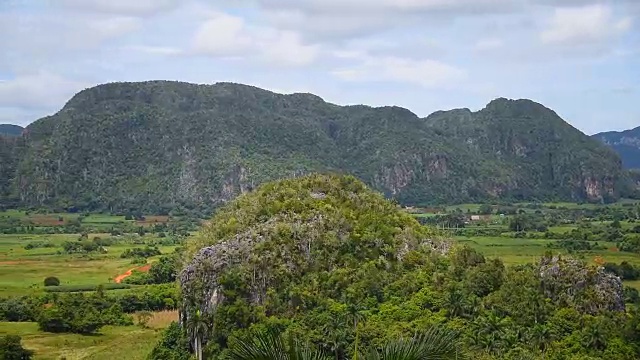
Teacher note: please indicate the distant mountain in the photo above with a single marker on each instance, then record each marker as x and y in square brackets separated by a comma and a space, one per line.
[163, 145]
[10, 130]
[626, 144]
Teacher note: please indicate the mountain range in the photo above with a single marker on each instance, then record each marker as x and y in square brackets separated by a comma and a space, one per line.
[161, 145]
[626, 144]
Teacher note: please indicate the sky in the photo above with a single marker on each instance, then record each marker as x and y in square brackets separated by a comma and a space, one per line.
[580, 58]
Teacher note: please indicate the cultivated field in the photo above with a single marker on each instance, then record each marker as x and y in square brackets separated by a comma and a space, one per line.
[87, 252]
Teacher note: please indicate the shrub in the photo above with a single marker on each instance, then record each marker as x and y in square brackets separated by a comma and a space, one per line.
[52, 281]
[11, 348]
[145, 252]
[143, 319]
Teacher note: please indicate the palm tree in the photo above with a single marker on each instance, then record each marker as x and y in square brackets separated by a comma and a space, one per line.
[355, 313]
[437, 343]
[197, 326]
[271, 345]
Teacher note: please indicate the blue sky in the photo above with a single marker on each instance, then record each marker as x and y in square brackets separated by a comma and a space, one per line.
[578, 57]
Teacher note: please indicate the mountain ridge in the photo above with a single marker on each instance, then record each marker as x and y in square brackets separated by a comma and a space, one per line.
[162, 144]
[625, 143]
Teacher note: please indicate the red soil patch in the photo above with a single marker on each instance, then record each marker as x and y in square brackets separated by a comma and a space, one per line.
[118, 279]
[614, 249]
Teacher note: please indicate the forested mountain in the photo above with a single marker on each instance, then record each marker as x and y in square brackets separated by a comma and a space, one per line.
[159, 145]
[626, 144]
[10, 130]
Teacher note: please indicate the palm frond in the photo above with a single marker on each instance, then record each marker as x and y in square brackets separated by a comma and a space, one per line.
[270, 345]
[435, 344]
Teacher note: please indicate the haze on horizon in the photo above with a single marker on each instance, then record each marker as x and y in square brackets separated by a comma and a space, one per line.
[578, 57]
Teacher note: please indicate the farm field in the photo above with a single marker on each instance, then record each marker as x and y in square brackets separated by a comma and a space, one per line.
[514, 251]
[112, 342]
[523, 233]
[23, 271]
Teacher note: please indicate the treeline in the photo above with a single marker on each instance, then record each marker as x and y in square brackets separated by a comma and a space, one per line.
[74, 224]
[87, 312]
[100, 245]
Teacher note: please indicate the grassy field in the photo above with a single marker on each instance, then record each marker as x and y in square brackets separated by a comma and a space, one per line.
[112, 342]
[521, 251]
[23, 271]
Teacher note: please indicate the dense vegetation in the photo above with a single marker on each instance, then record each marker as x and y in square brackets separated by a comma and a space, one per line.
[626, 144]
[62, 312]
[10, 130]
[161, 146]
[11, 348]
[324, 260]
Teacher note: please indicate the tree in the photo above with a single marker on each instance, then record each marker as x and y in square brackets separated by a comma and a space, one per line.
[197, 326]
[51, 281]
[11, 348]
[164, 271]
[485, 209]
[355, 313]
[173, 346]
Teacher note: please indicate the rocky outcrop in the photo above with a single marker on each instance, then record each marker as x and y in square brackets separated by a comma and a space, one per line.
[570, 282]
[285, 230]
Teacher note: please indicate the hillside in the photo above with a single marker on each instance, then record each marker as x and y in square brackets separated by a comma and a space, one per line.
[328, 261]
[10, 130]
[162, 145]
[10, 152]
[626, 144]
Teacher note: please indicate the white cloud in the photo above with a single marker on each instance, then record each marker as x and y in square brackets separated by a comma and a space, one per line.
[121, 7]
[225, 35]
[38, 90]
[583, 25]
[426, 73]
[336, 20]
[39, 38]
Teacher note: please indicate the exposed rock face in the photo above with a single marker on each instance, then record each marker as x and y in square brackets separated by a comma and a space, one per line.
[199, 279]
[572, 283]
